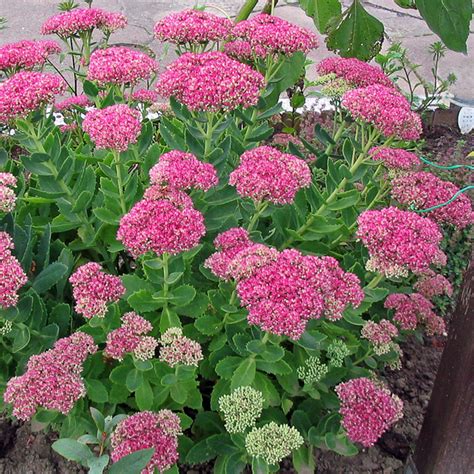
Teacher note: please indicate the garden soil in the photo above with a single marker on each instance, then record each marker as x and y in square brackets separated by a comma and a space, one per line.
[25, 452]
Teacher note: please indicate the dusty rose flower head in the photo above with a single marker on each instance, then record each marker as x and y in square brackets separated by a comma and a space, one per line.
[177, 197]
[181, 170]
[7, 195]
[160, 227]
[284, 294]
[120, 65]
[400, 241]
[144, 430]
[413, 310]
[380, 335]
[179, 349]
[27, 91]
[423, 190]
[431, 284]
[276, 35]
[354, 72]
[386, 109]
[245, 51]
[211, 82]
[52, 379]
[267, 174]
[26, 54]
[115, 127]
[192, 27]
[395, 158]
[130, 338]
[93, 289]
[228, 245]
[12, 276]
[70, 103]
[81, 20]
[249, 259]
[367, 409]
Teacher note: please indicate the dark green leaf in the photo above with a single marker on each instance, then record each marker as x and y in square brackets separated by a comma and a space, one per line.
[72, 450]
[132, 463]
[321, 11]
[49, 277]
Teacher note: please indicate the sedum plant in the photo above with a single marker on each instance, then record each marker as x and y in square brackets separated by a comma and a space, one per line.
[174, 289]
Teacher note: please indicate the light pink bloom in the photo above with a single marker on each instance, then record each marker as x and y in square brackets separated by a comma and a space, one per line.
[276, 35]
[144, 430]
[267, 174]
[181, 170]
[120, 65]
[27, 91]
[129, 338]
[355, 72]
[80, 100]
[7, 195]
[93, 289]
[12, 276]
[192, 27]
[52, 379]
[211, 82]
[179, 349]
[395, 158]
[81, 20]
[248, 260]
[386, 109]
[160, 227]
[400, 241]
[115, 127]
[414, 309]
[145, 96]
[380, 335]
[423, 190]
[26, 54]
[367, 409]
[287, 292]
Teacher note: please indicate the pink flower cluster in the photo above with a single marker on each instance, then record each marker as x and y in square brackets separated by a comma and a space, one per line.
[27, 91]
[115, 127]
[400, 241]
[395, 158]
[355, 72]
[130, 338]
[431, 284]
[145, 96]
[380, 335]
[26, 54]
[267, 174]
[52, 379]
[161, 227]
[144, 430]
[244, 51]
[386, 109]
[179, 349]
[367, 409]
[81, 20]
[211, 82]
[7, 195]
[414, 309]
[93, 289]
[275, 35]
[12, 276]
[120, 65]
[181, 170]
[192, 27]
[423, 190]
[70, 103]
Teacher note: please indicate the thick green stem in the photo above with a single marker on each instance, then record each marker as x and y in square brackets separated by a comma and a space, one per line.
[375, 281]
[335, 138]
[120, 184]
[246, 10]
[259, 208]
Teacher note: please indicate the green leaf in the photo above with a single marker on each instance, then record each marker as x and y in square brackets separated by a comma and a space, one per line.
[183, 295]
[245, 373]
[321, 11]
[142, 302]
[72, 450]
[358, 34]
[208, 324]
[449, 19]
[107, 216]
[97, 465]
[201, 452]
[90, 89]
[132, 463]
[49, 277]
[144, 396]
[98, 418]
[134, 380]
[227, 366]
[96, 391]
[21, 338]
